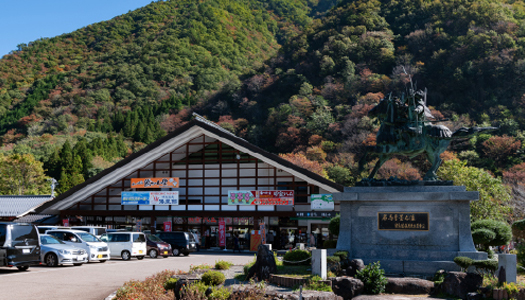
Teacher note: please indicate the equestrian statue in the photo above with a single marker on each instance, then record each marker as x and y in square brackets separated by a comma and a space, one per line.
[406, 129]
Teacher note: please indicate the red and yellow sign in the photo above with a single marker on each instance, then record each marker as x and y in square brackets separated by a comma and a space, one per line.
[149, 183]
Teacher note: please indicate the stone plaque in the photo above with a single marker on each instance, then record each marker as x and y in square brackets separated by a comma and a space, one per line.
[410, 221]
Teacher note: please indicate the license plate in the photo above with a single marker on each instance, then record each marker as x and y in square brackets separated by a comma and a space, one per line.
[99, 256]
[140, 251]
[166, 252]
[26, 251]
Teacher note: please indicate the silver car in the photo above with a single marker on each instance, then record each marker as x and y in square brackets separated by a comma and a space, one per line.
[54, 252]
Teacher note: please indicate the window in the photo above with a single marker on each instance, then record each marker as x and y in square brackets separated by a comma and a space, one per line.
[300, 190]
[138, 238]
[22, 232]
[69, 237]
[58, 235]
[2, 234]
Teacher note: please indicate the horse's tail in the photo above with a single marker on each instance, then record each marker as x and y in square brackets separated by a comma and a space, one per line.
[465, 132]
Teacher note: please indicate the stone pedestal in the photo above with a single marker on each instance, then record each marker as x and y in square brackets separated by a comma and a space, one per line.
[409, 229]
[319, 262]
[508, 261]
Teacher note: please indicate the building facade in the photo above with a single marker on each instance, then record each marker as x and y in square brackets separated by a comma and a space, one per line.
[203, 168]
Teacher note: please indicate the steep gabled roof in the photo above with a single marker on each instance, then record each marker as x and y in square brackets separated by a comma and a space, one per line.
[196, 127]
[18, 206]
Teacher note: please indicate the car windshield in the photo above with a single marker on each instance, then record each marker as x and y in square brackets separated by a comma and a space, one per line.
[155, 238]
[191, 238]
[49, 240]
[88, 237]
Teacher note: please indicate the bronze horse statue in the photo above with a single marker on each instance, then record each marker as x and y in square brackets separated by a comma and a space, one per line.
[406, 131]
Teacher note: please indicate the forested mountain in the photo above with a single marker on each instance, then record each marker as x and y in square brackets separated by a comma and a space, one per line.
[292, 76]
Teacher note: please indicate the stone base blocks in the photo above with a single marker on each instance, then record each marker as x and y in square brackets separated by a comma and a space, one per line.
[411, 230]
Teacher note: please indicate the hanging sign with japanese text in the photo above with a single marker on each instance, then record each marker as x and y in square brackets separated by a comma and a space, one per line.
[167, 226]
[222, 233]
[322, 202]
[149, 183]
[150, 198]
[260, 197]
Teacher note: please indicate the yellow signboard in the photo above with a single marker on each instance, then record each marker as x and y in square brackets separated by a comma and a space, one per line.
[150, 183]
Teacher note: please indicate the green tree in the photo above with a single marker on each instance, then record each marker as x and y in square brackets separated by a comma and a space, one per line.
[22, 175]
[494, 196]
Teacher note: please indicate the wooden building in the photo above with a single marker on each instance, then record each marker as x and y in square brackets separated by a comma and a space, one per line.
[208, 162]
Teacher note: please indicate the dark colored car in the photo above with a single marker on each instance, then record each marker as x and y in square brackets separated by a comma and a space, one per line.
[181, 242]
[157, 247]
[19, 245]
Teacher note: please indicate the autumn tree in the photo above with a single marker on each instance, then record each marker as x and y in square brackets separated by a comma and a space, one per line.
[300, 160]
[22, 175]
[494, 196]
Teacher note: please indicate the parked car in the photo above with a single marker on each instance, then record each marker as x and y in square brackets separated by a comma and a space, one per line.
[43, 229]
[96, 249]
[19, 246]
[157, 247]
[181, 242]
[126, 244]
[54, 252]
[97, 231]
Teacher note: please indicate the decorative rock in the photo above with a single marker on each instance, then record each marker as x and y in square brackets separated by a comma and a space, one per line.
[183, 280]
[306, 295]
[354, 266]
[409, 286]
[347, 287]
[459, 284]
[265, 264]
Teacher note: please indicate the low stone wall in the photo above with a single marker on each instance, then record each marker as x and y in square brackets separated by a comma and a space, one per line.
[500, 294]
[292, 281]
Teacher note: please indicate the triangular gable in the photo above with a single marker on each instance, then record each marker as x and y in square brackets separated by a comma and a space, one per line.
[195, 128]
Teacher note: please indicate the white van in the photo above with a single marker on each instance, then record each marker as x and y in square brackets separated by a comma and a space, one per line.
[97, 231]
[42, 229]
[96, 249]
[126, 244]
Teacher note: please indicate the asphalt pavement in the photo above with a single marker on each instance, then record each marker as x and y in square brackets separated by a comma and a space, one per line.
[97, 280]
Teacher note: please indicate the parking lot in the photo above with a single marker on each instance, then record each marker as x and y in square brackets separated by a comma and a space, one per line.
[97, 280]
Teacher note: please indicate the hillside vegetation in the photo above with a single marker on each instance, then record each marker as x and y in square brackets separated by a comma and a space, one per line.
[295, 77]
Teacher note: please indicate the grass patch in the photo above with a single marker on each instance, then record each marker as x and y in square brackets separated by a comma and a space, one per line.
[315, 284]
[223, 265]
[199, 267]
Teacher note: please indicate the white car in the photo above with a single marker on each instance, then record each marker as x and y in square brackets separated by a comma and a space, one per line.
[54, 252]
[96, 249]
[126, 244]
[97, 231]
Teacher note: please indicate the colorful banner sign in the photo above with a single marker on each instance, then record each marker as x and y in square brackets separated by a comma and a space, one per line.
[222, 233]
[149, 183]
[263, 233]
[65, 222]
[139, 225]
[150, 198]
[260, 197]
[167, 226]
[322, 202]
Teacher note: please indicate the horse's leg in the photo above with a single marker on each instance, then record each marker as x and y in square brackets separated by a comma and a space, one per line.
[382, 159]
[435, 160]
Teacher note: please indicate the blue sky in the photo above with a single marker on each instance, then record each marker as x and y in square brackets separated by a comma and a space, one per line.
[28, 20]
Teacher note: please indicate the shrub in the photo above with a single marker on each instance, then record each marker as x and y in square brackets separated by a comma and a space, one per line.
[330, 260]
[329, 244]
[463, 262]
[333, 227]
[486, 266]
[373, 278]
[213, 278]
[342, 255]
[520, 257]
[518, 230]
[501, 229]
[483, 236]
[170, 284]
[220, 293]
[297, 257]
[223, 265]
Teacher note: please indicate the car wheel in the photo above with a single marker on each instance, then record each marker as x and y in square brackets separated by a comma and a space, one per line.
[176, 252]
[140, 257]
[51, 260]
[22, 268]
[153, 253]
[77, 265]
[125, 255]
